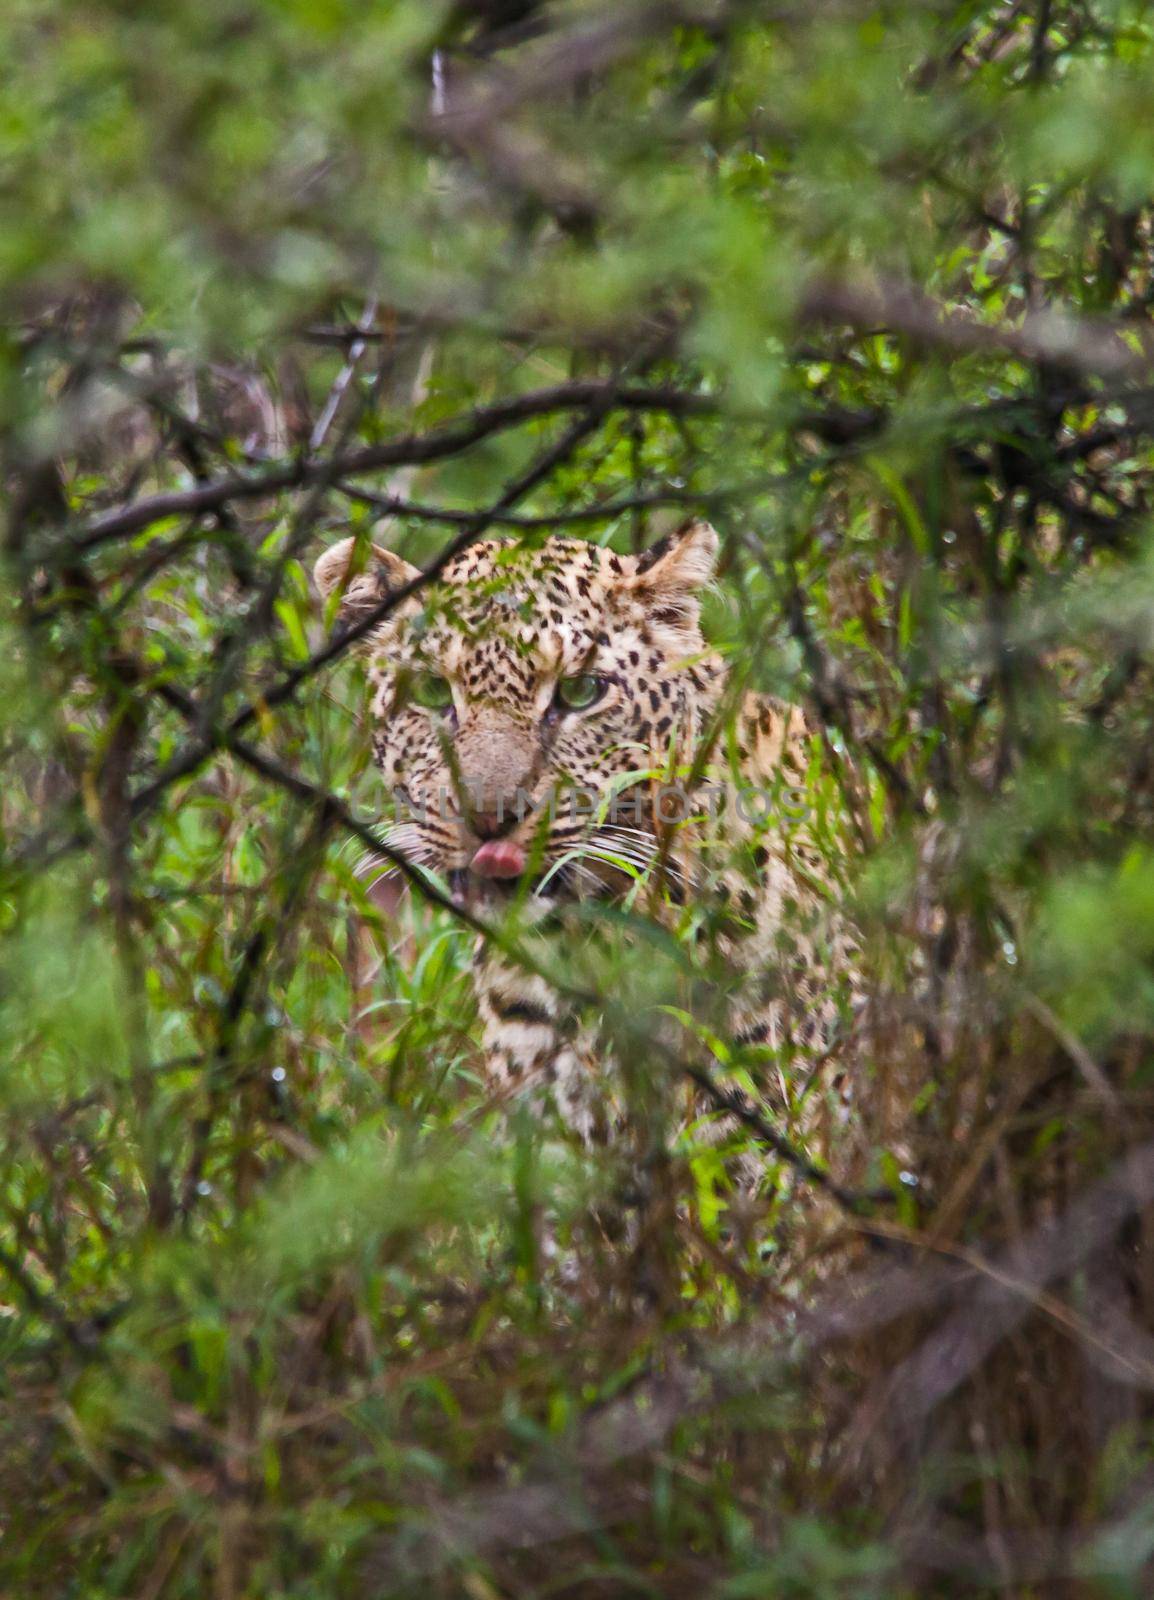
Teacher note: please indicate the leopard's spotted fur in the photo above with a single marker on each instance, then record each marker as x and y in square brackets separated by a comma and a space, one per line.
[503, 624]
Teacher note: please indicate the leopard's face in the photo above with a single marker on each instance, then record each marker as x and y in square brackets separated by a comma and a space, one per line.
[516, 702]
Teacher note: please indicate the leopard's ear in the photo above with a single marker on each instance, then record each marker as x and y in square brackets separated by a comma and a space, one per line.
[364, 574]
[678, 564]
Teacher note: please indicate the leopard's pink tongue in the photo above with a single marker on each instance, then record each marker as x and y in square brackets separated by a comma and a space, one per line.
[498, 858]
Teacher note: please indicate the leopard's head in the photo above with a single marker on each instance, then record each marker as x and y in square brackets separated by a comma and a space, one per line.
[517, 701]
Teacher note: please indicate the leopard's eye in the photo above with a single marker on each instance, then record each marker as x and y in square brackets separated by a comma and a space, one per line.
[430, 691]
[578, 694]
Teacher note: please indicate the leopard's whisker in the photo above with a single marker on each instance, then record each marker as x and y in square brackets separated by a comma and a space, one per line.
[399, 838]
[645, 844]
[614, 856]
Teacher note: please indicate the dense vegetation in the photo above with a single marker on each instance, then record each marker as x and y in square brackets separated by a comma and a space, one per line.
[867, 284]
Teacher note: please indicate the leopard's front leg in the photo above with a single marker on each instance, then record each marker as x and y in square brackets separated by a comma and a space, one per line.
[535, 1046]
[539, 1050]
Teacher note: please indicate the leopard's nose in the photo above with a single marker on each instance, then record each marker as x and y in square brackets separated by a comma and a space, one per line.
[493, 824]
[492, 814]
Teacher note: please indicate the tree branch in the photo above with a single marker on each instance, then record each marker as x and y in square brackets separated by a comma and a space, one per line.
[409, 450]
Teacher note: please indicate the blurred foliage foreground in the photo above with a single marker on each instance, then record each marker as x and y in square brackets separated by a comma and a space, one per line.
[867, 284]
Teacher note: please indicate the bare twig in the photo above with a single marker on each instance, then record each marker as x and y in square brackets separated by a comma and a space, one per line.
[1086, 345]
[738, 1105]
[344, 378]
[411, 449]
[396, 506]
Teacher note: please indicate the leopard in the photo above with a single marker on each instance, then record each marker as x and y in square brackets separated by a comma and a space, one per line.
[524, 677]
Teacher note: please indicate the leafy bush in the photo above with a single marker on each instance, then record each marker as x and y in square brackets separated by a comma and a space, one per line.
[867, 285]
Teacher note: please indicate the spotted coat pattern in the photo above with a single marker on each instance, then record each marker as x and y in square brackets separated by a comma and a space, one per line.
[501, 628]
